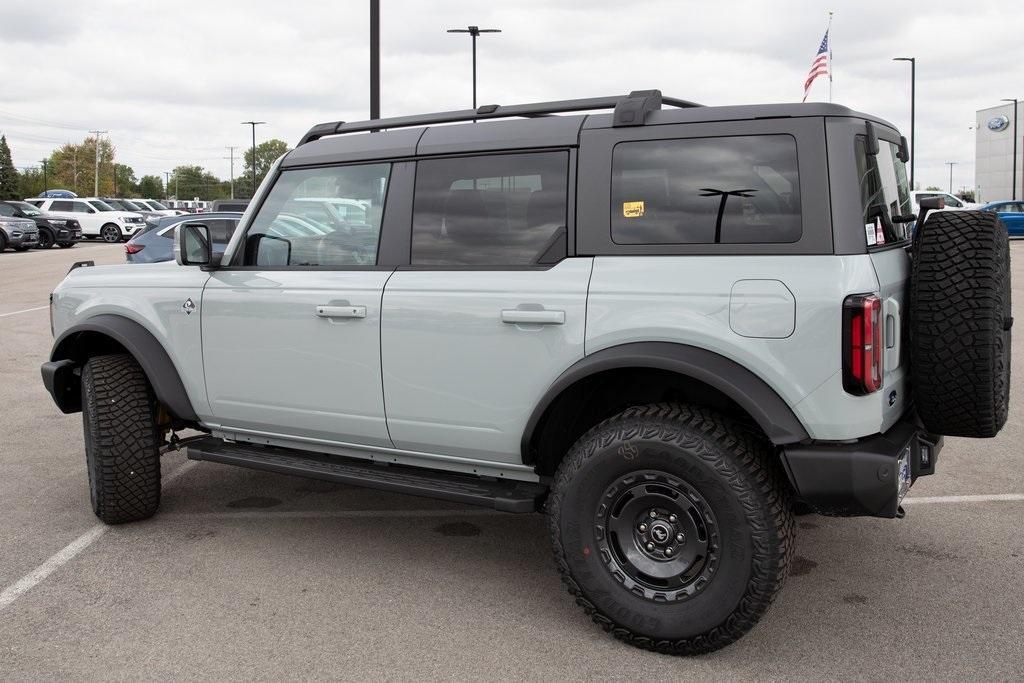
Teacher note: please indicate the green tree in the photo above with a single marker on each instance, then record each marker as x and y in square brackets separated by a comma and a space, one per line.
[151, 187]
[30, 183]
[125, 183]
[266, 154]
[195, 181]
[932, 188]
[72, 167]
[8, 174]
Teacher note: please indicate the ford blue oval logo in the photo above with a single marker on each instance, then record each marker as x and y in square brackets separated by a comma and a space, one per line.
[998, 123]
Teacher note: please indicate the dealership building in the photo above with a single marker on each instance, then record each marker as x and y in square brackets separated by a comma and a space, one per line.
[994, 152]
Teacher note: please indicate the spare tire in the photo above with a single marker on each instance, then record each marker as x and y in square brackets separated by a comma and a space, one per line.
[960, 323]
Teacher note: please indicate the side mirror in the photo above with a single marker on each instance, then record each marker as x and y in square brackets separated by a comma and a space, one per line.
[904, 152]
[870, 139]
[928, 204]
[192, 245]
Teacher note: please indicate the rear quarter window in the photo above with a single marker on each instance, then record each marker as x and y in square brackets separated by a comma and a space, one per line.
[720, 190]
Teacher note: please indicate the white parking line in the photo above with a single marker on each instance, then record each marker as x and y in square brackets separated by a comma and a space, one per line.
[27, 310]
[66, 554]
[983, 498]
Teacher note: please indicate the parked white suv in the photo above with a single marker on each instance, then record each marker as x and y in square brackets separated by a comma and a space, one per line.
[97, 218]
[952, 203]
[156, 207]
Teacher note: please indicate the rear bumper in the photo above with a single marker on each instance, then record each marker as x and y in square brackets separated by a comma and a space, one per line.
[861, 478]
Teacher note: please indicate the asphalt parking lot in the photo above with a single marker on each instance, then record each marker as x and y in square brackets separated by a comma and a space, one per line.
[247, 575]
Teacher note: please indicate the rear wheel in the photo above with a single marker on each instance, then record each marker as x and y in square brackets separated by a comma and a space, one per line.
[111, 233]
[960, 323]
[121, 439]
[671, 527]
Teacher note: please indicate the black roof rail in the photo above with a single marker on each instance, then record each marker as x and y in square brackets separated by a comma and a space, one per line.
[630, 110]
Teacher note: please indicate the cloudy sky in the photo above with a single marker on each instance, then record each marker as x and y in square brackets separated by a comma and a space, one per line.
[172, 81]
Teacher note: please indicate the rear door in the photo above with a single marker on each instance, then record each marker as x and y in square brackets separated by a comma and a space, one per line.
[883, 184]
[491, 309]
[291, 329]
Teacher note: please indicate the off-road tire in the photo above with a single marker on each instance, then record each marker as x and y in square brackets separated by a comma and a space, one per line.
[121, 439]
[722, 460]
[960, 321]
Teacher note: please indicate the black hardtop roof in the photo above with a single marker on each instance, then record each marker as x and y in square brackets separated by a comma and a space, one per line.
[539, 125]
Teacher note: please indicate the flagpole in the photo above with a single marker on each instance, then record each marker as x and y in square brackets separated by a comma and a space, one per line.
[829, 32]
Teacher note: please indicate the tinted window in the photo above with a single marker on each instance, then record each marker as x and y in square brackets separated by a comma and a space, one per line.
[80, 207]
[62, 206]
[101, 206]
[883, 183]
[6, 210]
[503, 210]
[732, 190]
[298, 226]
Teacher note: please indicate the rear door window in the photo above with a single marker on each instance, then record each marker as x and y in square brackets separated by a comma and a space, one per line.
[884, 187]
[62, 206]
[497, 210]
[721, 190]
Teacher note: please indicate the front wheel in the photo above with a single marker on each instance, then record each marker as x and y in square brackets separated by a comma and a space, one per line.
[111, 233]
[671, 527]
[45, 240]
[122, 451]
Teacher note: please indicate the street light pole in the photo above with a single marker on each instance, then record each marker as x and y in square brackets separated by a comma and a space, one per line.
[474, 32]
[913, 104]
[231, 151]
[374, 59]
[1014, 197]
[253, 124]
[96, 175]
[951, 164]
[45, 182]
[167, 184]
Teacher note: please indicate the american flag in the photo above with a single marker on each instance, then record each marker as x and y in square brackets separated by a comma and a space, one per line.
[819, 67]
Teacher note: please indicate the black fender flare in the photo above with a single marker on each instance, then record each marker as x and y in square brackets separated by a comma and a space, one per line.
[771, 412]
[61, 377]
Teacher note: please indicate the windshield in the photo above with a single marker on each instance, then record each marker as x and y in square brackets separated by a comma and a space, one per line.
[27, 209]
[101, 206]
[884, 188]
[131, 206]
[157, 205]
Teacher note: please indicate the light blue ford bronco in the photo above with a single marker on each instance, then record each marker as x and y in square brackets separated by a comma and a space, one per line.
[670, 327]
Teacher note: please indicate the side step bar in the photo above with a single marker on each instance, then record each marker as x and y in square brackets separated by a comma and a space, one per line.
[501, 494]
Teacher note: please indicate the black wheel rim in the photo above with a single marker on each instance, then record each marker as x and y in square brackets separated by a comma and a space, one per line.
[111, 234]
[44, 240]
[657, 535]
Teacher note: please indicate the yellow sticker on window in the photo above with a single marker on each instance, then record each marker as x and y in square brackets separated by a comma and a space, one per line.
[632, 209]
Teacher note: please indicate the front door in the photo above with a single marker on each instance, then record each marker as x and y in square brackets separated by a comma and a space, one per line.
[489, 312]
[291, 330]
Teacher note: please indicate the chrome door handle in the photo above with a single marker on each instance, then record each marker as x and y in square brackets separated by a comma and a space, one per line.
[517, 316]
[341, 311]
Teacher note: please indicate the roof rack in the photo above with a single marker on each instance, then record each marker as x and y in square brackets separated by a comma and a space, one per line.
[630, 110]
